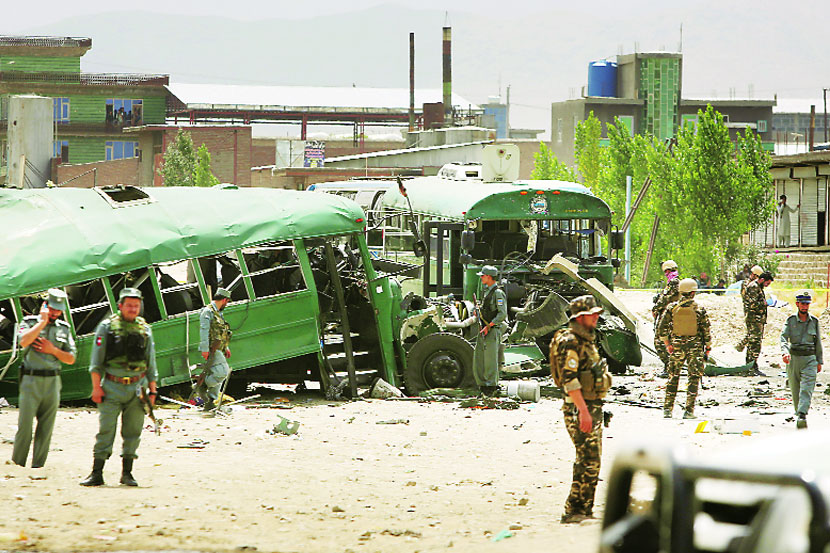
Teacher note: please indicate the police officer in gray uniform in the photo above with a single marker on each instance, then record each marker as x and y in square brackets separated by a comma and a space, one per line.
[122, 367]
[803, 355]
[47, 342]
[493, 319]
[214, 339]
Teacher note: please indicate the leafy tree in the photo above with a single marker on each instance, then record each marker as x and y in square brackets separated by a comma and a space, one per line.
[587, 148]
[202, 175]
[547, 167]
[179, 164]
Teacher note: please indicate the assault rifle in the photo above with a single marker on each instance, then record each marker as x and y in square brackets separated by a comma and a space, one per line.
[200, 380]
[144, 396]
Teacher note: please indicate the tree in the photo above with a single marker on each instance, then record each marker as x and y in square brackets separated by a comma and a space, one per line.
[202, 176]
[179, 163]
[547, 167]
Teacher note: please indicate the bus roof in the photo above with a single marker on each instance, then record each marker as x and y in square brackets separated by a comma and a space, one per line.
[56, 237]
[475, 199]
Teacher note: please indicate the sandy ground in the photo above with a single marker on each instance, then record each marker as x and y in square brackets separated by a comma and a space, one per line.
[451, 479]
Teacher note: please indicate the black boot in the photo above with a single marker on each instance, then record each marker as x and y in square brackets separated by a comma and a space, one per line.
[96, 477]
[126, 472]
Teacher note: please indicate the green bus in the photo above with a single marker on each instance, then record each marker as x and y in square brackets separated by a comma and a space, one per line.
[307, 302]
[518, 226]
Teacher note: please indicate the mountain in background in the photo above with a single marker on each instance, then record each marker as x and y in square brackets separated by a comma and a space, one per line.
[757, 48]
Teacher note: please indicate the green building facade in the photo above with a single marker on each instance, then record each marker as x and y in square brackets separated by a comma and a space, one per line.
[91, 110]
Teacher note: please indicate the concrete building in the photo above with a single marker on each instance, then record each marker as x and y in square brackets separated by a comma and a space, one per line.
[644, 90]
[791, 123]
[90, 110]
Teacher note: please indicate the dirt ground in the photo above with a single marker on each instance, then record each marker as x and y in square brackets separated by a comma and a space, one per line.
[451, 478]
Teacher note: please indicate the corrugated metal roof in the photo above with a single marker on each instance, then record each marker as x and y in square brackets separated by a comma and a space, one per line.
[308, 96]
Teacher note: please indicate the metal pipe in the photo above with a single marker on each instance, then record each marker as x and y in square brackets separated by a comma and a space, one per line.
[462, 324]
[812, 127]
[411, 82]
[628, 180]
[447, 62]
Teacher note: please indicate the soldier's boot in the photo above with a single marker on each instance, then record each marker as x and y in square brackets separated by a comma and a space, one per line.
[127, 472]
[740, 345]
[689, 414]
[755, 370]
[96, 477]
[667, 412]
[801, 421]
[574, 518]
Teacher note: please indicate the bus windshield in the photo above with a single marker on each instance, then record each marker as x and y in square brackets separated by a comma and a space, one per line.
[575, 238]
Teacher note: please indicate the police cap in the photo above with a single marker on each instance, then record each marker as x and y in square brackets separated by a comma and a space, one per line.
[56, 299]
[584, 305]
[804, 296]
[129, 293]
[668, 264]
[222, 294]
[488, 270]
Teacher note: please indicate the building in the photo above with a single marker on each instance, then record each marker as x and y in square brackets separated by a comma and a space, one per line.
[644, 90]
[792, 120]
[91, 110]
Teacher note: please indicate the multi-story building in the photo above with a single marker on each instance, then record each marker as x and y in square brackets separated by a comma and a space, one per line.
[644, 91]
[91, 110]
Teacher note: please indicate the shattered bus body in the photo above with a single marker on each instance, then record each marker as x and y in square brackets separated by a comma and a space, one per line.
[307, 303]
[551, 241]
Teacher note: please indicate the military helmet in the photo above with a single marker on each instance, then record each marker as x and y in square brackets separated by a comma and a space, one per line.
[56, 299]
[757, 270]
[129, 293]
[804, 296]
[687, 285]
[584, 305]
[668, 264]
[488, 270]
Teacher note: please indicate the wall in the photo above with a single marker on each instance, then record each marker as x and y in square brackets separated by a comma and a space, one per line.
[230, 148]
[562, 134]
[61, 64]
[122, 171]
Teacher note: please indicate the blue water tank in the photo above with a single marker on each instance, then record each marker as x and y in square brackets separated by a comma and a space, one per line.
[602, 79]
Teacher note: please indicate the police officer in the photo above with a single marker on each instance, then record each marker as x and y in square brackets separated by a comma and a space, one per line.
[493, 319]
[214, 339]
[803, 354]
[756, 318]
[754, 273]
[666, 296]
[685, 331]
[122, 366]
[47, 342]
[582, 374]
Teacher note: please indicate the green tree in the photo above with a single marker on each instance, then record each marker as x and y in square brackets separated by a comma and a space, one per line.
[202, 175]
[546, 166]
[587, 148]
[179, 164]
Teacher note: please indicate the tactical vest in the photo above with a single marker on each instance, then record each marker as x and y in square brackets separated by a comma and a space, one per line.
[593, 376]
[489, 310]
[684, 319]
[219, 332]
[127, 343]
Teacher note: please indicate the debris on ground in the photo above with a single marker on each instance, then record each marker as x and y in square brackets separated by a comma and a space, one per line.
[489, 403]
[394, 421]
[285, 427]
[194, 444]
[381, 389]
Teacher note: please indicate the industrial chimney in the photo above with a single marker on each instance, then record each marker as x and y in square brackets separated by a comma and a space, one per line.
[447, 59]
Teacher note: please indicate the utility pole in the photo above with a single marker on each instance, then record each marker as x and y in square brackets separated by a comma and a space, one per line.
[826, 138]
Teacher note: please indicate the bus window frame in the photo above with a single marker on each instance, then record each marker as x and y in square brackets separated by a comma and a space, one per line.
[154, 282]
[246, 275]
[200, 280]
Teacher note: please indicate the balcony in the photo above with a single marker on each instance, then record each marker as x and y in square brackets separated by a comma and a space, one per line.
[85, 79]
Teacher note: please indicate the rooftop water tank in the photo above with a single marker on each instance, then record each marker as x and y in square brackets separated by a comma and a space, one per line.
[602, 79]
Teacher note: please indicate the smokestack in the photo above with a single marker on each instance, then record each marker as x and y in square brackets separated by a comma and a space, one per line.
[411, 82]
[447, 59]
[812, 127]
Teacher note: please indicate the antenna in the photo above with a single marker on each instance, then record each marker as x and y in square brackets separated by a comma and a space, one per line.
[680, 46]
[446, 19]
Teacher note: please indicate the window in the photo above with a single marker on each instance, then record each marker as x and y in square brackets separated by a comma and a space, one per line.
[273, 269]
[179, 287]
[124, 112]
[628, 121]
[559, 130]
[60, 148]
[60, 110]
[689, 120]
[88, 305]
[762, 125]
[121, 149]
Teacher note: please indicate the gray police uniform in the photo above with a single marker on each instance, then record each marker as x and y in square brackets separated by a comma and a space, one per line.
[487, 351]
[40, 391]
[217, 367]
[802, 341]
[122, 372]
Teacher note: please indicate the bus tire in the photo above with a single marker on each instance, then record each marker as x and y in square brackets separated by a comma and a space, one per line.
[440, 360]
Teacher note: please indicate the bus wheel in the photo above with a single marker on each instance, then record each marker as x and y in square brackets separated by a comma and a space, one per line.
[440, 360]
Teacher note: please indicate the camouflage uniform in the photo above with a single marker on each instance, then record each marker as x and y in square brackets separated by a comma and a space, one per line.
[668, 295]
[689, 350]
[214, 338]
[756, 317]
[574, 350]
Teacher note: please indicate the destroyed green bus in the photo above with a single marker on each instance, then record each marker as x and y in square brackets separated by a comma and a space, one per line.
[551, 240]
[307, 303]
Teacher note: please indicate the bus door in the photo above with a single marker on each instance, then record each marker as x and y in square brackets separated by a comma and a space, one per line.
[443, 273]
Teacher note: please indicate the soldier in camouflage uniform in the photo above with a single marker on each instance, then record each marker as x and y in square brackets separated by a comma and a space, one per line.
[578, 369]
[756, 318]
[754, 273]
[685, 331]
[122, 368]
[668, 295]
[214, 342]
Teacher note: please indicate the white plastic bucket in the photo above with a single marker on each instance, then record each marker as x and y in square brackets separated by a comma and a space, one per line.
[527, 390]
